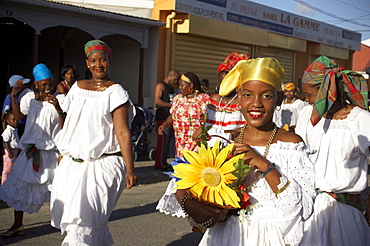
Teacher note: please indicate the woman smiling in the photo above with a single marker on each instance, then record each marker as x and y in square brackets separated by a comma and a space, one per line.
[281, 185]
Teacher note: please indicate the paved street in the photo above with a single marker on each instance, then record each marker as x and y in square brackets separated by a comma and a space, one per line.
[133, 222]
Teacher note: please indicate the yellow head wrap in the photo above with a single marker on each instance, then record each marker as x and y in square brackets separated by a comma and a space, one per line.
[267, 70]
[186, 79]
[290, 87]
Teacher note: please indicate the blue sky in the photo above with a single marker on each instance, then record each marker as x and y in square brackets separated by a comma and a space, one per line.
[352, 15]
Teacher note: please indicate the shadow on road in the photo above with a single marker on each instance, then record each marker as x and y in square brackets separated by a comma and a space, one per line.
[32, 231]
[132, 212]
[188, 239]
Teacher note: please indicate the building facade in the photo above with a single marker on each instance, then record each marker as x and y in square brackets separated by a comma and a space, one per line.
[199, 34]
[54, 33]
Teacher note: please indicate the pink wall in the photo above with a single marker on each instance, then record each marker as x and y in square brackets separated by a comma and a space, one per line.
[361, 59]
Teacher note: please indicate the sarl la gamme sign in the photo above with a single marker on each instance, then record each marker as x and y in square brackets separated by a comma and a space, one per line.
[259, 16]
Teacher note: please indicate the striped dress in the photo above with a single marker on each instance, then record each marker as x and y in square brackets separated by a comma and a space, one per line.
[223, 117]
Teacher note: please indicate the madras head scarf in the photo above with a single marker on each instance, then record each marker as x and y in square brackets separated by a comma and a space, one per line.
[324, 72]
[230, 61]
[267, 70]
[94, 46]
[290, 87]
[41, 71]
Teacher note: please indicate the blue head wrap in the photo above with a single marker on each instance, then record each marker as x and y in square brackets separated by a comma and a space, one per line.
[41, 71]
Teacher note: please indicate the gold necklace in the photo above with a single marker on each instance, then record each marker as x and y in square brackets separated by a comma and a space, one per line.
[193, 94]
[101, 86]
[257, 173]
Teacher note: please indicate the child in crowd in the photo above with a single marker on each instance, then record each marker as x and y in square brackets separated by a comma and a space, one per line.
[11, 140]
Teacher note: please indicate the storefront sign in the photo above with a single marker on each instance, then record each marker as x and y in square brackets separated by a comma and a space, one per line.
[259, 16]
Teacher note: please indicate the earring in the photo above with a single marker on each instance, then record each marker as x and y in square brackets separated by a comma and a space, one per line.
[37, 87]
[88, 66]
[278, 107]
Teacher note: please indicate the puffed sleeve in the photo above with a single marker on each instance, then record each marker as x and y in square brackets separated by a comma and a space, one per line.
[363, 131]
[68, 98]
[304, 123]
[118, 97]
[60, 98]
[295, 203]
[6, 135]
[24, 104]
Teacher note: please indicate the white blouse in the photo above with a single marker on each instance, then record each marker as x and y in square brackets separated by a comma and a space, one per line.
[10, 135]
[274, 219]
[42, 123]
[288, 113]
[340, 150]
[96, 135]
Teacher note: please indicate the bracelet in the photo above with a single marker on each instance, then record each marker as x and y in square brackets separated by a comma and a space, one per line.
[203, 225]
[60, 112]
[271, 167]
[283, 188]
[14, 95]
[182, 202]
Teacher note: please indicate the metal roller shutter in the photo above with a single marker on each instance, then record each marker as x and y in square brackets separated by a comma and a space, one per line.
[202, 56]
[285, 57]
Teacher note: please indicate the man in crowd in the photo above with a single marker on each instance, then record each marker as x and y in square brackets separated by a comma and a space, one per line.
[163, 94]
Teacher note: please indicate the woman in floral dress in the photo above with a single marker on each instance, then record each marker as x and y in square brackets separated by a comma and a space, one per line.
[187, 112]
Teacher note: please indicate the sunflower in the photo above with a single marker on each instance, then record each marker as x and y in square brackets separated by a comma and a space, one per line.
[209, 174]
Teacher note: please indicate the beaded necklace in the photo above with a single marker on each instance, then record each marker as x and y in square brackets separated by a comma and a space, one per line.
[257, 173]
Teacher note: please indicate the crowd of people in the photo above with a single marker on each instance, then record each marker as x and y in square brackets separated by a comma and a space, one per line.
[308, 158]
[74, 141]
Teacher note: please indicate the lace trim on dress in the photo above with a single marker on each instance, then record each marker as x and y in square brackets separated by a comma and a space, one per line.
[87, 236]
[92, 93]
[168, 204]
[279, 145]
[24, 196]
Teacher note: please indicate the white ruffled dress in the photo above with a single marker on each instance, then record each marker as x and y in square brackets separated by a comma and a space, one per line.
[272, 220]
[25, 189]
[341, 148]
[85, 193]
[288, 113]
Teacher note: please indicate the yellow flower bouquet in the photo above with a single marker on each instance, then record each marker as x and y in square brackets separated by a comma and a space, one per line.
[213, 176]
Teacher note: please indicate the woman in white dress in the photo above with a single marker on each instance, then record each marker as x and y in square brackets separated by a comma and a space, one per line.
[336, 129]
[27, 187]
[95, 143]
[282, 196]
[287, 113]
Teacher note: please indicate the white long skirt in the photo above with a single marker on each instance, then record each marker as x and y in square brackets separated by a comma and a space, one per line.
[25, 189]
[83, 196]
[335, 223]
